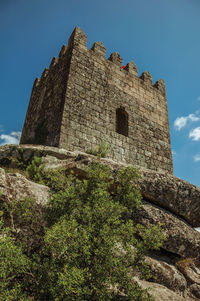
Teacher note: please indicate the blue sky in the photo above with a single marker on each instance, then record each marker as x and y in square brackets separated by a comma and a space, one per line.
[161, 36]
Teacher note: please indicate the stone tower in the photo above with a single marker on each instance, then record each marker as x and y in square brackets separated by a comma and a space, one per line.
[83, 99]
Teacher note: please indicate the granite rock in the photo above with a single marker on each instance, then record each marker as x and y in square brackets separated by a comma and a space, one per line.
[181, 238]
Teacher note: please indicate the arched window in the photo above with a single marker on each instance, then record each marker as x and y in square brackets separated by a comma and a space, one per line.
[122, 121]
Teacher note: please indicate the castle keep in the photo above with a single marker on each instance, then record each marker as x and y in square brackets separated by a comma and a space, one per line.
[84, 99]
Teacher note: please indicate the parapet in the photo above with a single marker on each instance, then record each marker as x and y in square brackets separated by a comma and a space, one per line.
[78, 39]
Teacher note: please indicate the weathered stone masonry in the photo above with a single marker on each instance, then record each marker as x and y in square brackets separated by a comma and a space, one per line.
[84, 99]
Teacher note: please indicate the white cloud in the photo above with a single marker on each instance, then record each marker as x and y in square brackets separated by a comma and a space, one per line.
[16, 134]
[13, 138]
[181, 122]
[197, 158]
[195, 134]
[173, 152]
[192, 117]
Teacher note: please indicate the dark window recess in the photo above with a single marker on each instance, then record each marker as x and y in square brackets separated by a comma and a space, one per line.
[122, 121]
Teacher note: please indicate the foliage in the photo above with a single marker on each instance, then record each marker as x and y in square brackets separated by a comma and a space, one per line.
[14, 266]
[88, 248]
[35, 169]
[55, 179]
[26, 222]
[101, 151]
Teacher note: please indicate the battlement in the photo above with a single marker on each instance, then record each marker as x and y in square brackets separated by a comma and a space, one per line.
[84, 98]
[78, 39]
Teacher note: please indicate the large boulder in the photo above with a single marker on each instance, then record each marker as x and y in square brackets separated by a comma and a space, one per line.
[195, 290]
[181, 238]
[14, 186]
[162, 293]
[189, 269]
[172, 193]
[166, 274]
[25, 153]
[17, 191]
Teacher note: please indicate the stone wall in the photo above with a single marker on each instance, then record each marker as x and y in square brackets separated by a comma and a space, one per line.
[76, 105]
[43, 118]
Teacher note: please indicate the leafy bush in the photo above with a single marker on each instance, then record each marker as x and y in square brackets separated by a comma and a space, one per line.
[88, 249]
[35, 169]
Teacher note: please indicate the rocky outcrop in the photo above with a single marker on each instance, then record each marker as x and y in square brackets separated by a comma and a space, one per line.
[166, 274]
[167, 191]
[189, 270]
[172, 193]
[162, 293]
[167, 200]
[195, 290]
[181, 238]
[14, 186]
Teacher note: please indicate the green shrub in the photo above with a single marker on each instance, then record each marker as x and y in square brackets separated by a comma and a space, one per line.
[36, 169]
[89, 248]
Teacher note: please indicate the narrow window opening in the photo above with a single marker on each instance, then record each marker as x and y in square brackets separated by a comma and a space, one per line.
[122, 121]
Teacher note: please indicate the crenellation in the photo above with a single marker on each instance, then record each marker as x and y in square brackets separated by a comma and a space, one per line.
[63, 51]
[115, 58]
[36, 82]
[54, 61]
[146, 77]
[75, 107]
[160, 85]
[131, 68]
[99, 48]
[44, 73]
